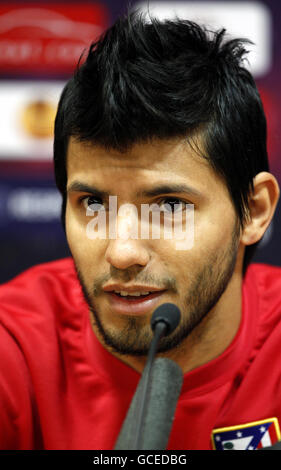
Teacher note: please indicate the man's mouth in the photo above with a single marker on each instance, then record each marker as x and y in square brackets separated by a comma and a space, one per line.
[136, 296]
[134, 303]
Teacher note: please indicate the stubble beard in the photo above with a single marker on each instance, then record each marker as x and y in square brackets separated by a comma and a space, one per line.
[205, 291]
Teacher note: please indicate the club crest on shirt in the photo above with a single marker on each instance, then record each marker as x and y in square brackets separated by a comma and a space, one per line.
[250, 436]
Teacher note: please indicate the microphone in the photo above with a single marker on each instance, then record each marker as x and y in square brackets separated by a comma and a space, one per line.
[164, 321]
[167, 313]
[150, 416]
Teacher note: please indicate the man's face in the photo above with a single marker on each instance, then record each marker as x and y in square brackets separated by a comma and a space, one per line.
[194, 279]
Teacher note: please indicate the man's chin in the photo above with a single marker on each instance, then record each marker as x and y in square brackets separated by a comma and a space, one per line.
[132, 339]
[135, 339]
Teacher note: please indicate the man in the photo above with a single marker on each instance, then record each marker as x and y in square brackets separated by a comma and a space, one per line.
[160, 113]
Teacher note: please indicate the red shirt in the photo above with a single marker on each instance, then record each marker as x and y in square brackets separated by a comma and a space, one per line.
[60, 389]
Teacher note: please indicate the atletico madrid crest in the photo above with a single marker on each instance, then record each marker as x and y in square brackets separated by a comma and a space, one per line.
[250, 436]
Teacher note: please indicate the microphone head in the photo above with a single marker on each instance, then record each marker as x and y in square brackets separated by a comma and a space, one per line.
[168, 313]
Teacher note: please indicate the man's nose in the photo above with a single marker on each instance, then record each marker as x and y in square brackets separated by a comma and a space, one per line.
[123, 254]
[125, 249]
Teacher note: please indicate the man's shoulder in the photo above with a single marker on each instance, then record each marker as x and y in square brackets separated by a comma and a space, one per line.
[63, 265]
[60, 270]
[266, 280]
[44, 289]
[265, 268]
[266, 275]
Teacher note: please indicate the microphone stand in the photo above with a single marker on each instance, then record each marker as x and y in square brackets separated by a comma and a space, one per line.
[159, 332]
[149, 418]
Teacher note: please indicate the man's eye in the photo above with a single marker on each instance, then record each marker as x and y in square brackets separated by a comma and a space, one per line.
[92, 204]
[172, 205]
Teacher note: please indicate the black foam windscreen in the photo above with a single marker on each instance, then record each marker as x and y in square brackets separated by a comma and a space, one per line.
[164, 390]
[169, 314]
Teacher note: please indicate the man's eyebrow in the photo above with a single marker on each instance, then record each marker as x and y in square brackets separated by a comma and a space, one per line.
[169, 189]
[77, 186]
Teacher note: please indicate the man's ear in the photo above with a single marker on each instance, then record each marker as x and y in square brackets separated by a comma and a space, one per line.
[262, 204]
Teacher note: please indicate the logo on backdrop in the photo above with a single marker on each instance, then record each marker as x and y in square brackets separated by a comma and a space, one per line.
[47, 37]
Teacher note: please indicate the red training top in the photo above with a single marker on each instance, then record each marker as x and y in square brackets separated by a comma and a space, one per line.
[60, 389]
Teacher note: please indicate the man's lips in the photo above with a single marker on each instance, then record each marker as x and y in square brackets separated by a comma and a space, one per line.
[134, 305]
[131, 288]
